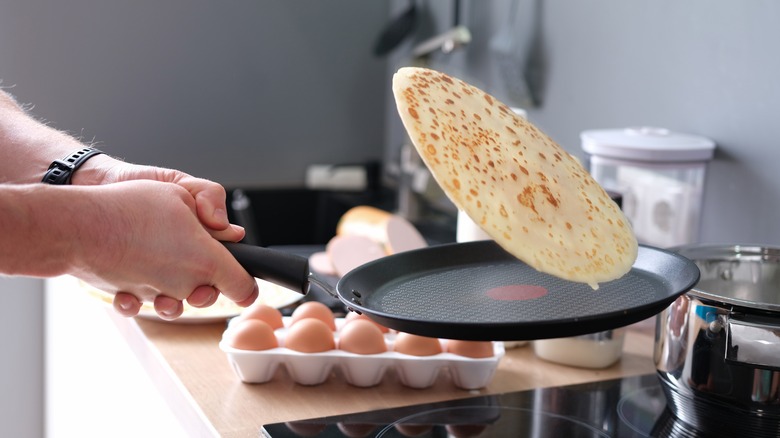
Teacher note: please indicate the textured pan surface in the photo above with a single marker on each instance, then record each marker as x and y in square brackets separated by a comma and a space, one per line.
[444, 290]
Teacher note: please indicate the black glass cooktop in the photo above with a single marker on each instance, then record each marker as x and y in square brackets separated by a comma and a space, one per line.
[628, 407]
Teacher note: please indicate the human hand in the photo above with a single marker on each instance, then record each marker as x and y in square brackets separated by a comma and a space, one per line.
[153, 247]
[29, 146]
[211, 211]
[209, 196]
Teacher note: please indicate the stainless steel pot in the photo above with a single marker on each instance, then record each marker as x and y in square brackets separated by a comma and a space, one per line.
[717, 349]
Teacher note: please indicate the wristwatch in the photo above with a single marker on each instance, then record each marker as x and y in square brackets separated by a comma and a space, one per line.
[60, 172]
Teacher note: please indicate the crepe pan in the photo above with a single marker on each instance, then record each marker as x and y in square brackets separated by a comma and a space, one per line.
[478, 291]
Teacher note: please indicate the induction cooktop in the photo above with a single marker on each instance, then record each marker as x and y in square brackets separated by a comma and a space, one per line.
[626, 407]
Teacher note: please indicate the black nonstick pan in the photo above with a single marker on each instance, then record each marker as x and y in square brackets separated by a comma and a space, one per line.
[478, 291]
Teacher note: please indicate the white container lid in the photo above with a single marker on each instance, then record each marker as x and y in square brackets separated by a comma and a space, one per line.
[647, 144]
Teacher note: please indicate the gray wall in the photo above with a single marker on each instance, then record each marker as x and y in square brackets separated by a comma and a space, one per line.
[243, 92]
[701, 67]
[250, 92]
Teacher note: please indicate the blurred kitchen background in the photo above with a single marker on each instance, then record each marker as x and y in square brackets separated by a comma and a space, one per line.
[289, 102]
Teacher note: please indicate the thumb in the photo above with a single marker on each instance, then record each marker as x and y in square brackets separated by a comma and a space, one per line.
[210, 197]
[232, 280]
[211, 207]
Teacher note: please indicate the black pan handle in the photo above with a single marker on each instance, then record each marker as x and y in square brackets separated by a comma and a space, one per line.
[278, 267]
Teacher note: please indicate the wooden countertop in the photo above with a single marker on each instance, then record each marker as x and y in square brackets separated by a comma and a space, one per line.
[194, 376]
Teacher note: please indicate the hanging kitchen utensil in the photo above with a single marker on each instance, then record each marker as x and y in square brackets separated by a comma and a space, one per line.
[448, 41]
[511, 59]
[478, 291]
[396, 31]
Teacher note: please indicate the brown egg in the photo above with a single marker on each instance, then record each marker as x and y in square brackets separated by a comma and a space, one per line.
[465, 430]
[416, 345]
[352, 316]
[362, 337]
[356, 430]
[412, 430]
[475, 349]
[251, 334]
[304, 429]
[264, 312]
[310, 335]
[314, 309]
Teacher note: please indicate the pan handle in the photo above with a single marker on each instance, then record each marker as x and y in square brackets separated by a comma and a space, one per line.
[278, 267]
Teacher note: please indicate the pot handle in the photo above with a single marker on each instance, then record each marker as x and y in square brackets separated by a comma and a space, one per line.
[753, 340]
[278, 267]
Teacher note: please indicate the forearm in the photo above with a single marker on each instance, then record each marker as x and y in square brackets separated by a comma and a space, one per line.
[37, 236]
[29, 147]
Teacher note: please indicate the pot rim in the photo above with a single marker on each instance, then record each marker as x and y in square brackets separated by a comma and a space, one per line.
[754, 253]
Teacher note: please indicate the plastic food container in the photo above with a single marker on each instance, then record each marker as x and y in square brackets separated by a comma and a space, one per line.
[597, 350]
[660, 175]
[361, 370]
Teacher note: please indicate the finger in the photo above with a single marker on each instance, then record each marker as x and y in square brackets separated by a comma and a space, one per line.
[168, 308]
[233, 233]
[212, 207]
[126, 304]
[232, 280]
[251, 298]
[203, 296]
[210, 199]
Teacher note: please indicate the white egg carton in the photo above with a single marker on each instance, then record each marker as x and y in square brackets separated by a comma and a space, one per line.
[362, 370]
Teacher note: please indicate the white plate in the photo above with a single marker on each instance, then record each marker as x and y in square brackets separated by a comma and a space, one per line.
[220, 311]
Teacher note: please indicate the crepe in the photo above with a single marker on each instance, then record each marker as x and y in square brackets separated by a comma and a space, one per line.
[526, 192]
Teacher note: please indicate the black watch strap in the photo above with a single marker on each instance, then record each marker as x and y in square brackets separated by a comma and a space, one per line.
[60, 172]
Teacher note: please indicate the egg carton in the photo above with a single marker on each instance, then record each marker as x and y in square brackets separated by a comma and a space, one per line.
[361, 370]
